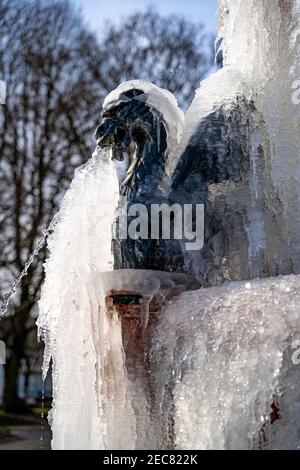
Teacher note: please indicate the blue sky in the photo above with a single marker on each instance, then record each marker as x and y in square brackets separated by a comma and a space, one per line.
[97, 11]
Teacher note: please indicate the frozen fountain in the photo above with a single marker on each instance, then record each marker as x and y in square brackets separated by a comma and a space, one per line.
[141, 356]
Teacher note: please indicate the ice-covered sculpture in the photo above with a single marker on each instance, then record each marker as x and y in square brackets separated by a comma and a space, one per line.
[227, 157]
[218, 367]
[142, 125]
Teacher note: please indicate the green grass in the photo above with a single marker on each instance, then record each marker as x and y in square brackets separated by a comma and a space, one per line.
[4, 432]
[31, 415]
[39, 410]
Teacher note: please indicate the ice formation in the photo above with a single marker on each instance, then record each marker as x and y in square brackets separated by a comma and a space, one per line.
[218, 367]
[226, 362]
[68, 320]
[244, 121]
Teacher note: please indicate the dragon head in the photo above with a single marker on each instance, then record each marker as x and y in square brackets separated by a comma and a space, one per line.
[140, 124]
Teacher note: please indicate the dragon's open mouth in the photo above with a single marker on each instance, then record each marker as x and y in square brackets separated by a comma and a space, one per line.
[134, 133]
[112, 134]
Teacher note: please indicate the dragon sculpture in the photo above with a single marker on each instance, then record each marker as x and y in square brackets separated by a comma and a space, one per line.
[204, 160]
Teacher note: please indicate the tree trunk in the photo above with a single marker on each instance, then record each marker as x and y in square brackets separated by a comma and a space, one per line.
[11, 402]
[26, 380]
[11, 376]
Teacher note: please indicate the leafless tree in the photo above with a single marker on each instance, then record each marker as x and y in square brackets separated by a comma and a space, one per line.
[46, 131]
[170, 51]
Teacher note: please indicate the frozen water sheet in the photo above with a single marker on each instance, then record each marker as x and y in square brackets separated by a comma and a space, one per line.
[220, 370]
[229, 353]
[261, 40]
[69, 307]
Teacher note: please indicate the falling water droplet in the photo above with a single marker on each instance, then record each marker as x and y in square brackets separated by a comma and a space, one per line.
[42, 415]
